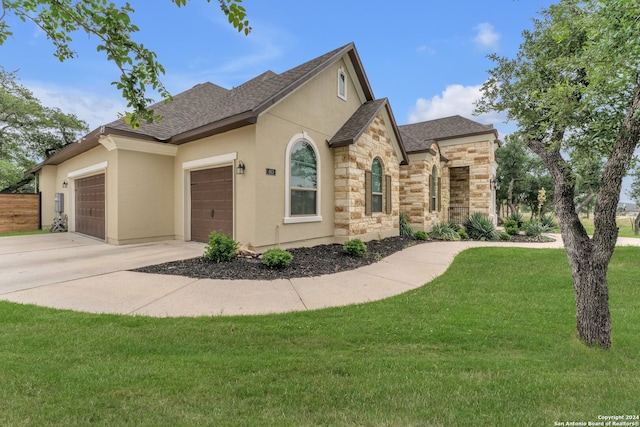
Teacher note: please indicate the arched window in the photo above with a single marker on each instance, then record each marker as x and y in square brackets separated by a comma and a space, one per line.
[376, 185]
[302, 198]
[303, 183]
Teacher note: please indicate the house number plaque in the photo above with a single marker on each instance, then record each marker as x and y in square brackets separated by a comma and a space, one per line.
[271, 172]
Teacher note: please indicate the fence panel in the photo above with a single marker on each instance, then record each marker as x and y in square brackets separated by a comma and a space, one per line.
[19, 212]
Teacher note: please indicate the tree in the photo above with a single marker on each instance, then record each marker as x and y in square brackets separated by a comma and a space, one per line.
[29, 132]
[112, 27]
[574, 91]
[634, 193]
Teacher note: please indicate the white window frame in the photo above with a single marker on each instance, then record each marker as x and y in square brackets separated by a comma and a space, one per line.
[295, 219]
[381, 192]
[342, 78]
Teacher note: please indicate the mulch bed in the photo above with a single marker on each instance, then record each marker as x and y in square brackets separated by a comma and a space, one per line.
[307, 262]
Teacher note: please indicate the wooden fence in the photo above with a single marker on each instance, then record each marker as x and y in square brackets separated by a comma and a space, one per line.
[19, 212]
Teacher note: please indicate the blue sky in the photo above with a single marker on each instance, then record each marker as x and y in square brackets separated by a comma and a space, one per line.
[429, 58]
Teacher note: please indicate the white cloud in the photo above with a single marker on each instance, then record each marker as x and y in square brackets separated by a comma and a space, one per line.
[90, 107]
[486, 37]
[455, 100]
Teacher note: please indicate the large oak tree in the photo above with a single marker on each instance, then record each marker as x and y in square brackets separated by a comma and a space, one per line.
[574, 91]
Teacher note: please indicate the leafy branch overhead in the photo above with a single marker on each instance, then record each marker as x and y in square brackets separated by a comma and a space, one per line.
[112, 26]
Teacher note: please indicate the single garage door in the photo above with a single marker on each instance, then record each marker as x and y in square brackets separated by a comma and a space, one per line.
[90, 207]
[211, 202]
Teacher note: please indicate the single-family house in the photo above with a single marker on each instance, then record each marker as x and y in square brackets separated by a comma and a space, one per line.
[305, 157]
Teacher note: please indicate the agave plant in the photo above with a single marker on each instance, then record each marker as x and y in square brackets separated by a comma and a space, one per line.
[480, 227]
[443, 231]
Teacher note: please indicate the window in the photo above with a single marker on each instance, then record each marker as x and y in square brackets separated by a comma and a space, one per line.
[342, 84]
[434, 188]
[376, 186]
[375, 189]
[303, 181]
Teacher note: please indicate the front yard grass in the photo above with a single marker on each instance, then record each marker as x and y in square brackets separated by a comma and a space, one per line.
[490, 342]
[625, 225]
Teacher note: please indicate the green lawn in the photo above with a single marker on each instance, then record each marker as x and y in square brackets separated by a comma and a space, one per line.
[489, 343]
[625, 226]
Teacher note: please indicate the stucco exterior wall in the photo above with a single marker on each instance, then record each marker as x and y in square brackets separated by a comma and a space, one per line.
[145, 197]
[315, 113]
[350, 162]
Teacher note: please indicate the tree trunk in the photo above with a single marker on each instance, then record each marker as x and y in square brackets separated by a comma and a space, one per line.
[636, 225]
[512, 206]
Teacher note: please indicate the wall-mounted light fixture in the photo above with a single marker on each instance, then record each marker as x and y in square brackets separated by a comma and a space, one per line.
[495, 185]
[240, 168]
[65, 184]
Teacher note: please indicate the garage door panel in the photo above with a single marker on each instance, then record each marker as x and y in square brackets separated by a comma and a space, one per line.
[211, 202]
[90, 206]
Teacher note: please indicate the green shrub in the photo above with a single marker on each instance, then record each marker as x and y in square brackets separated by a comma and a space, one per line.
[454, 226]
[517, 217]
[505, 236]
[277, 258]
[463, 234]
[443, 231]
[405, 228]
[480, 227]
[220, 248]
[512, 230]
[355, 247]
[421, 235]
[536, 230]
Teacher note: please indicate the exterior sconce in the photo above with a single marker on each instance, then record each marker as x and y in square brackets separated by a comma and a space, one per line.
[65, 184]
[495, 185]
[240, 168]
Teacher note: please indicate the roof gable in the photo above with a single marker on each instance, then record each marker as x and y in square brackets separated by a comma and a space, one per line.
[420, 136]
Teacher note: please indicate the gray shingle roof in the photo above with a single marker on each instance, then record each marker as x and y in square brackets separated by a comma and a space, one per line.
[419, 136]
[206, 105]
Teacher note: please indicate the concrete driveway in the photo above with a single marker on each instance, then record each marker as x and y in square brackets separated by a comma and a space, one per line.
[38, 260]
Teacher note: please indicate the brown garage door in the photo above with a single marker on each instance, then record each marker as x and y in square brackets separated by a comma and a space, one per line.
[211, 202]
[90, 208]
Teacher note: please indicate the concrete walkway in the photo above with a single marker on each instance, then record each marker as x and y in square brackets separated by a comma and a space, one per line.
[91, 276]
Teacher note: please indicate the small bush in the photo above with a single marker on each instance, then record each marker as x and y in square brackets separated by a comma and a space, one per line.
[405, 228]
[517, 217]
[443, 231]
[421, 235]
[454, 226]
[355, 247]
[221, 248]
[463, 234]
[277, 258]
[505, 236]
[480, 227]
[512, 230]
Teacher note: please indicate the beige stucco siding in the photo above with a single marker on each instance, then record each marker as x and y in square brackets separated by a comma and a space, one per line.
[145, 197]
[315, 113]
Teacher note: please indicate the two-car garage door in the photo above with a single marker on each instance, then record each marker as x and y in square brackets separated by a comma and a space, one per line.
[90, 206]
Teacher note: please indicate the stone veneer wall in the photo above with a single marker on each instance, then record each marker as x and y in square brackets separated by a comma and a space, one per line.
[415, 193]
[350, 162]
[479, 157]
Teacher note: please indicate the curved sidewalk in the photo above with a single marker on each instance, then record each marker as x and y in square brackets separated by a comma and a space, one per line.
[132, 293]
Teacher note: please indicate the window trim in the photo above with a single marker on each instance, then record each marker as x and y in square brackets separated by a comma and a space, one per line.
[295, 219]
[342, 78]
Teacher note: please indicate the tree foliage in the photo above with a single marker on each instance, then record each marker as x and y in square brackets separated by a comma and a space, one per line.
[29, 132]
[574, 91]
[112, 27]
